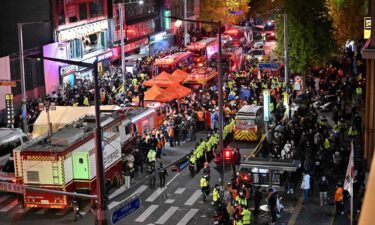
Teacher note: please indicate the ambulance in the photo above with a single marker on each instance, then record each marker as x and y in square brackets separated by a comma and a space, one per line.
[249, 123]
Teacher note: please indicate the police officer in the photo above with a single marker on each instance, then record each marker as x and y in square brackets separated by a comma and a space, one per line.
[205, 188]
[241, 199]
[151, 170]
[162, 174]
[216, 196]
[192, 161]
[207, 171]
[246, 216]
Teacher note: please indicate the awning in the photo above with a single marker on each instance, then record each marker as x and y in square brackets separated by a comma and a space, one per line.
[179, 90]
[179, 75]
[164, 79]
[272, 164]
[157, 94]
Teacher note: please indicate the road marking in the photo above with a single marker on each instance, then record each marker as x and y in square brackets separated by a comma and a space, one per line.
[62, 212]
[188, 216]
[23, 210]
[194, 197]
[297, 210]
[10, 206]
[158, 191]
[180, 190]
[167, 215]
[117, 192]
[169, 201]
[140, 190]
[146, 213]
[113, 204]
[4, 198]
[42, 211]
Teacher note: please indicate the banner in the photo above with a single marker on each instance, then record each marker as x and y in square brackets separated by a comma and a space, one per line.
[350, 172]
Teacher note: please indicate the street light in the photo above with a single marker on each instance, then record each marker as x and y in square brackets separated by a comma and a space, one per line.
[22, 72]
[220, 87]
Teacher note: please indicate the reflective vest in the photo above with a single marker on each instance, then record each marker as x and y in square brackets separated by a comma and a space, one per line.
[238, 222]
[352, 132]
[204, 182]
[151, 156]
[215, 195]
[271, 107]
[75, 104]
[358, 90]
[246, 216]
[327, 144]
[192, 159]
[86, 101]
[241, 201]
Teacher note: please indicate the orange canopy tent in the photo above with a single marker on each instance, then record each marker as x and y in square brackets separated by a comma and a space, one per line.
[164, 79]
[179, 90]
[157, 94]
[179, 75]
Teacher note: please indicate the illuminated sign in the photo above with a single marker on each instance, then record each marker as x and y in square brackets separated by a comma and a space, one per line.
[9, 108]
[266, 105]
[167, 21]
[8, 83]
[105, 55]
[367, 27]
[158, 37]
[67, 70]
[80, 31]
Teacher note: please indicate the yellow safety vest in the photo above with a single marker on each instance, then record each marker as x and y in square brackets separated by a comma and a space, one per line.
[204, 182]
[246, 217]
[215, 195]
[358, 90]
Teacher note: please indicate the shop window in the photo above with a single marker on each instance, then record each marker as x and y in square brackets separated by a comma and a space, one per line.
[82, 11]
[73, 19]
[96, 8]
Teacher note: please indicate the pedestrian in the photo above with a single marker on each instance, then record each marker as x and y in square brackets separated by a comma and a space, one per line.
[77, 213]
[305, 186]
[257, 198]
[151, 171]
[162, 174]
[323, 189]
[205, 188]
[272, 204]
[216, 196]
[339, 199]
[127, 174]
[141, 94]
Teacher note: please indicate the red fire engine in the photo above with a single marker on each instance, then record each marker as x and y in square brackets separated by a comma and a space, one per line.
[66, 161]
[203, 50]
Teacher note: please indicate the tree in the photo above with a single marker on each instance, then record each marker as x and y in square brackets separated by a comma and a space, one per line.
[216, 10]
[347, 17]
[310, 33]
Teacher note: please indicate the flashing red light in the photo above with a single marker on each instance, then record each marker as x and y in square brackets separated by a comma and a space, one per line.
[227, 154]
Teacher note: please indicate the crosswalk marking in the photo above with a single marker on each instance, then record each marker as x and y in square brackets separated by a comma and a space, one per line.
[62, 212]
[10, 206]
[23, 210]
[169, 201]
[42, 211]
[188, 216]
[158, 191]
[4, 198]
[194, 197]
[140, 190]
[146, 213]
[167, 215]
[113, 204]
[180, 190]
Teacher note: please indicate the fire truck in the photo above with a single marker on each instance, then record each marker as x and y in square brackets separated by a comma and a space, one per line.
[232, 59]
[170, 63]
[203, 77]
[66, 160]
[203, 50]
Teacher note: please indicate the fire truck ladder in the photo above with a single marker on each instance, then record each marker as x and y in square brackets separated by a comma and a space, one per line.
[55, 172]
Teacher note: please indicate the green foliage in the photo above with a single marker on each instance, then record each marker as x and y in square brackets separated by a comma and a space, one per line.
[347, 17]
[216, 10]
[310, 33]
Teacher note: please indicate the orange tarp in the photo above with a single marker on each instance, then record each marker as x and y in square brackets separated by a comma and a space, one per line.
[164, 79]
[158, 94]
[179, 90]
[179, 75]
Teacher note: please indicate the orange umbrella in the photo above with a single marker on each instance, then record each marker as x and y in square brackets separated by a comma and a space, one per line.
[164, 79]
[179, 75]
[179, 90]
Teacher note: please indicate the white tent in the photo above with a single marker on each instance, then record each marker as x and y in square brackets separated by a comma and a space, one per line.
[62, 116]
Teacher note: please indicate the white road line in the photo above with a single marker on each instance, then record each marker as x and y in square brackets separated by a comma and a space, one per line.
[10, 206]
[167, 215]
[158, 191]
[170, 181]
[146, 213]
[112, 204]
[117, 192]
[180, 190]
[4, 198]
[194, 197]
[23, 210]
[42, 211]
[140, 190]
[188, 216]
[169, 201]
[62, 212]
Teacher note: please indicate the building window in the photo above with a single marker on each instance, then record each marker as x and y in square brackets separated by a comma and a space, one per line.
[96, 8]
[82, 11]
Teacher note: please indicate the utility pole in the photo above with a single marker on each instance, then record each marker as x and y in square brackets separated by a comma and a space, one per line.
[185, 23]
[102, 198]
[286, 54]
[220, 96]
[121, 8]
[22, 73]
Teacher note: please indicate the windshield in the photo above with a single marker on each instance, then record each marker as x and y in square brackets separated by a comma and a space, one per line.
[8, 167]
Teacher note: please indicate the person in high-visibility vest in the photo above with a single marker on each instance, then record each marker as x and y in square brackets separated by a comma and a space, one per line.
[326, 144]
[151, 156]
[205, 188]
[353, 132]
[86, 101]
[192, 161]
[216, 195]
[241, 199]
[246, 216]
